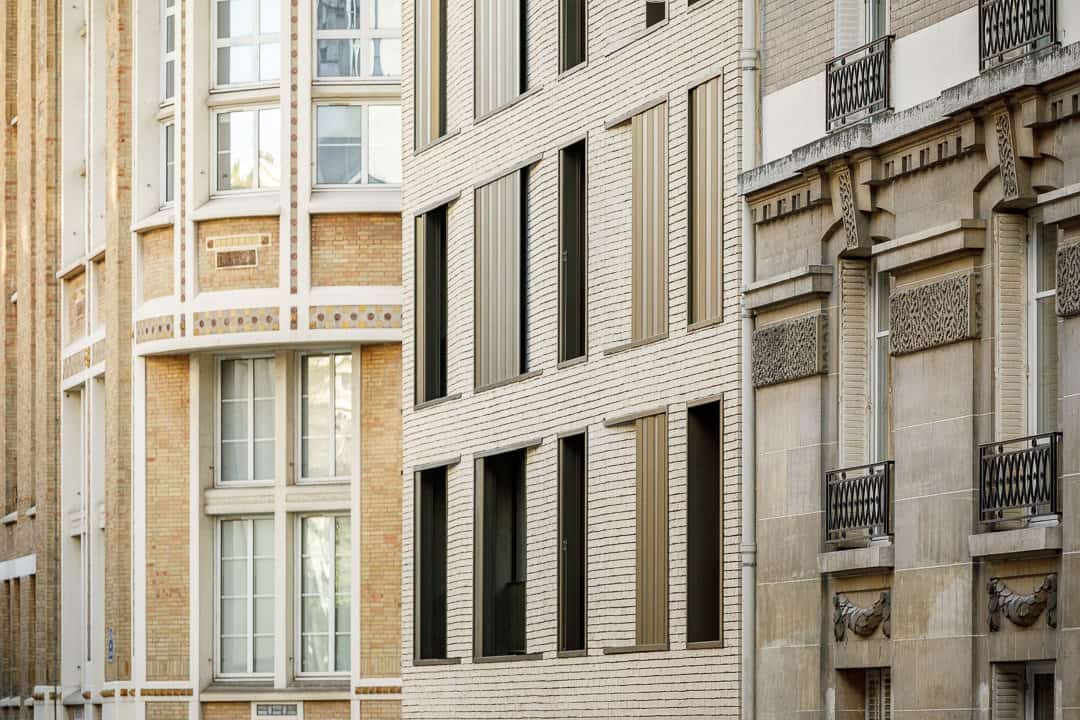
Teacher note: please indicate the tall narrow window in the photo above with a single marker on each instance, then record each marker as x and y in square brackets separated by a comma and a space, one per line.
[881, 387]
[649, 232]
[431, 305]
[500, 576]
[247, 45]
[168, 50]
[246, 588]
[500, 53]
[326, 399]
[705, 524]
[325, 595]
[652, 531]
[706, 274]
[430, 71]
[358, 39]
[248, 150]
[1044, 323]
[876, 13]
[500, 288]
[573, 256]
[655, 11]
[571, 33]
[572, 543]
[430, 590]
[168, 141]
[247, 420]
[878, 694]
[357, 144]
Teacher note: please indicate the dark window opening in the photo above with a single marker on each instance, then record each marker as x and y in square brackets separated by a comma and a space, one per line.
[704, 524]
[572, 34]
[501, 537]
[431, 294]
[572, 534]
[655, 11]
[572, 252]
[431, 563]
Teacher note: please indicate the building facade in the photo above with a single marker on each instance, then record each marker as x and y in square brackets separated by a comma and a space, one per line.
[571, 367]
[916, 350]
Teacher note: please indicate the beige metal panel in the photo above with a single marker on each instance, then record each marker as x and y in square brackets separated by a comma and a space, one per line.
[498, 290]
[854, 362]
[430, 70]
[649, 232]
[652, 530]
[420, 331]
[1010, 334]
[497, 73]
[707, 201]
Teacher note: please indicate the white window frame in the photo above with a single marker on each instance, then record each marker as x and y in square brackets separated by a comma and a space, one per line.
[218, 407]
[298, 583]
[365, 34]
[249, 521]
[1031, 669]
[257, 41]
[365, 144]
[1034, 296]
[878, 404]
[168, 11]
[869, 16]
[168, 128]
[355, 405]
[258, 109]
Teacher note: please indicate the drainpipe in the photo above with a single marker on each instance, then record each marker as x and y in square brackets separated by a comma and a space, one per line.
[749, 64]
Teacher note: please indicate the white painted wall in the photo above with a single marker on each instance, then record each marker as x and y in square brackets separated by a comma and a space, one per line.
[792, 117]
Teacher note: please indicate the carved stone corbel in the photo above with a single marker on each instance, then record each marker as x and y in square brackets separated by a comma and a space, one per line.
[861, 621]
[1068, 280]
[1014, 172]
[856, 231]
[1022, 609]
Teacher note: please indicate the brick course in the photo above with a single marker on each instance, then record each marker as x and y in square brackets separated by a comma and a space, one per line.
[353, 249]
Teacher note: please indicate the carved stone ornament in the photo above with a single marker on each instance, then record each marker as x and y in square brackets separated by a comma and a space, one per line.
[789, 350]
[847, 207]
[934, 314]
[862, 621]
[1023, 610]
[1010, 184]
[1068, 280]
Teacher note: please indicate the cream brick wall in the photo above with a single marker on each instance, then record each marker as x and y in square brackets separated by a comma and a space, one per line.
[380, 710]
[263, 275]
[687, 366]
[157, 262]
[326, 711]
[354, 249]
[797, 41]
[226, 711]
[909, 16]
[167, 711]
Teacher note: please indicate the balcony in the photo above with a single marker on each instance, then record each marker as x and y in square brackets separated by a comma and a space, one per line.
[1018, 480]
[1011, 29]
[858, 504]
[857, 84]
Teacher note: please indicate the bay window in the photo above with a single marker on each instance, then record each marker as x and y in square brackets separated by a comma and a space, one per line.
[326, 401]
[246, 420]
[325, 597]
[357, 38]
[246, 596]
[247, 46]
[357, 144]
[248, 149]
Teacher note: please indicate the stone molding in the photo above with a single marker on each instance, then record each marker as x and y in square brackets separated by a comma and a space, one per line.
[789, 288]
[1010, 182]
[1068, 280]
[789, 350]
[862, 621]
[935, 314]
[1022, 609]
[847, 209]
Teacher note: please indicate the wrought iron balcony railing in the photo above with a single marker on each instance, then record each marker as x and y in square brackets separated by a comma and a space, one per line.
[857, 84]
[859, 503]
[1011, 29]
[1018, 479]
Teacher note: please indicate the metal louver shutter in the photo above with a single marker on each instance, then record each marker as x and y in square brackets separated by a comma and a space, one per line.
[1010, 337]
[1007, 699]
[886, 694]
[707, 201]
[649, 232]
[652, 530]
[849, 21]
[873, 694]
[498, 68]
[854, 362]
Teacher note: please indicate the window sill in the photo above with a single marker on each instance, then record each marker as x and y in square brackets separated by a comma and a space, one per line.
[626, 649]
[247, 204]
[269, 93]
[579, 360]
[10, 518]
[634, 344]
[705, 645]
[240, 690]
[359, 199]
[521, 96]
[162, 218]
[436, 401]
[574, 70]
[572, 654]
[508, 658]
[437, 141]
[704, 324]
[508, 381]
[433, 662]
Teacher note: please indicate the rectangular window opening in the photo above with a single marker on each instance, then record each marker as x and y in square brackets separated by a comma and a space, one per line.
[355, 38]
[326, 417]
[1045, 329]
[572, 542]
[325, 595]
[248, 150]
[652, 531]
[246, 420]
[430, 71]
[246, 596]
[573, 255]
[655, 12]
[357, 144]
[881, 371]
[572, 28]
[431, 305]
[431, 509]
[705, 523]
[247, 47]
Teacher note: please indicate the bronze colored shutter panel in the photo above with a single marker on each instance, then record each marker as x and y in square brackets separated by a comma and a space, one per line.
[430, 70]
[498, 66]
[649, 303]
[707, 201]
[652, 530]
[854, 362]
[498, 291]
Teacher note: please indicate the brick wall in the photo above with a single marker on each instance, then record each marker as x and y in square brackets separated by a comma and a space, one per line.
[265, 272]
[167, 478]
[797, 41]
[157, 262]
[380, 507]
[909, 16]
[166, 711]
[226, 711]
[354, 249]
[380, 710]
[326, 710]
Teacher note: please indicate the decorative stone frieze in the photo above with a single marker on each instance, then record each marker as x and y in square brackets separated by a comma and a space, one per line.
[340, 317]
[218, 322]
[1068, 280]
[935, 314]
[1010, 183]
[1022, 609]
[155, 328]
[97, 352]
[862, 621]
[789, 350]
[847, 209]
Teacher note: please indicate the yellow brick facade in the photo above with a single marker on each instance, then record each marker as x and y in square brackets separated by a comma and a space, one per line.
[157, 262]
[251, 261]
[351, 249]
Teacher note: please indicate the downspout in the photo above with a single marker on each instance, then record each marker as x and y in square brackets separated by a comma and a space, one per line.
[749, 65]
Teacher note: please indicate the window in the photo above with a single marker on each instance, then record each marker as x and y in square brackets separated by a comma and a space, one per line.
[1045, 335]
[706, 196]
[500, 53]
[1022, 691]
[430, 589]
[881, 372]
[247, 420]
[878, 694]
[248, 149]
[572, 543]
[246, 589]
[572, 252]
[649, 231]
[499, 577]
[325, 594]
[876, 13]
[655, 11]
[652, 532]
[571, 33]
[247, 48]
[358, 144]
[430, 71]
[500, 287]
[431, 305]
[705, 526]
[358, 39]
[326, 401]
[168, 50]
[169, 170]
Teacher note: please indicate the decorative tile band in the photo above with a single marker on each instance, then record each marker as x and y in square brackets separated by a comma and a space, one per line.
[236, 320]
[789, 350]
[76, 362]
[351, 317]
[1068, 280]
[935, 314]
[155, 328]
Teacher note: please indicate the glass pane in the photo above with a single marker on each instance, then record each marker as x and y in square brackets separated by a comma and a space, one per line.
[339, 58]
[234, 461]
[264, 460]
[882, 302]
[264, 377]
[1046, 262]
[264, 537]
[234, 539]
[881, 399]
[385, 14]
[237, 64]
[264, 654]
[170, 33]
[263, 621]
[269, 61]
[316, 555]
[264, 419]
[342, 415]
[339, 140]
[385, 138]
[269, 17]
[234, 577]
[234, 420]
[341, 653]
[315, 458]
[269, 148]
[341, 614]
[338, 14]
[236, 18]
[1047, 371]
[384, 58]
[234, 616]
[233, 655]
[339, 165]
[170, 79]
[236, 155]
[234, 379]
[315, 416]
[316, 614]
[342, 537]
[264, 577]
[315, 655]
